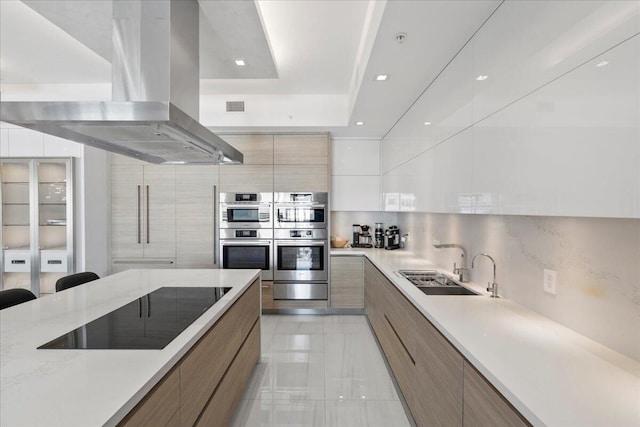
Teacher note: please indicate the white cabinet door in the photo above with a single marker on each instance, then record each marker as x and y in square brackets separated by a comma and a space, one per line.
[355, 193]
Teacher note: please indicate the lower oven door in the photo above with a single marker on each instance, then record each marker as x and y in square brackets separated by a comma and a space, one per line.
[248, 255]
[300, 291]
[301, 260]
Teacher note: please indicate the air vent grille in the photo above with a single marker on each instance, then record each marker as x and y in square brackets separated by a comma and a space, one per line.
[235, 106]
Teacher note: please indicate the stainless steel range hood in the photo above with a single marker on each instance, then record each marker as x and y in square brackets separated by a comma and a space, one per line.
[155, 91]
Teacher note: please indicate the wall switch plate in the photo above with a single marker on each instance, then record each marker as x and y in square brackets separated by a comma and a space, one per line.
[549, 281]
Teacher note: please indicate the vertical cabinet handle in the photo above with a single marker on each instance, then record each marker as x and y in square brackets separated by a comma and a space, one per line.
[215, 222]
[147, 214]
[138, 217]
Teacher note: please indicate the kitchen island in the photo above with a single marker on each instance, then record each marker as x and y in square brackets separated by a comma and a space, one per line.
[550, 374]
[106, 387]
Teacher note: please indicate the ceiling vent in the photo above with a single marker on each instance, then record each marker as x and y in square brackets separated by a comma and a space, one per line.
[235, 106]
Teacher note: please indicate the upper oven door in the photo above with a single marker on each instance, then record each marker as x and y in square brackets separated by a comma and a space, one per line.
[248, 255]
[300, 216]
[245, 216]
[301, 260]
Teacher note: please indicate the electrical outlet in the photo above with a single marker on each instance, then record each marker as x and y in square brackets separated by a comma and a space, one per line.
[549, 281]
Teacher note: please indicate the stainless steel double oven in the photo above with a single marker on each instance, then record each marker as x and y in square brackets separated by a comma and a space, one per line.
[283, 234]
[301, 270]
[246, 232]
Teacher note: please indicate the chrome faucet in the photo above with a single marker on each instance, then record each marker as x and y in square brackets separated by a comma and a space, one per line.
[462, 272]
[493, 287]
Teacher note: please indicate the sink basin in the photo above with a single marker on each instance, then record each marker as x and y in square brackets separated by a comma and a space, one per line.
[446, 290]
[431, 282]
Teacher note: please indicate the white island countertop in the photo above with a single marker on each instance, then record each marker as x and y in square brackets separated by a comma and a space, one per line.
[551, 374]
[93, 387]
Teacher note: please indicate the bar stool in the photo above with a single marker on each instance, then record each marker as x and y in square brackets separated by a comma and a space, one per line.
[11, 297]
[75, 280]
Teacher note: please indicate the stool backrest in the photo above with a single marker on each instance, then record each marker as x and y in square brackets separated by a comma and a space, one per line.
[75, 280]
[11, 297]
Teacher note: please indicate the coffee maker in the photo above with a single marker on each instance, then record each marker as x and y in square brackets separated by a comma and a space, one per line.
[379, 235]
[392, 238]
[361, 236]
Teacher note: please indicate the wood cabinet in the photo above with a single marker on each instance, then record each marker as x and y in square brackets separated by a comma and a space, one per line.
[206, 384]
[163, 216]
[301, 149]
[347, 282]
[196, 188]
[484, 405]
[440, 387]
[267, 294]
[257, 149]
[246, 178]
[160, 407]
[313, 178]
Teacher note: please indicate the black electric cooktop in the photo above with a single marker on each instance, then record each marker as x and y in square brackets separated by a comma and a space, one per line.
[149, 322]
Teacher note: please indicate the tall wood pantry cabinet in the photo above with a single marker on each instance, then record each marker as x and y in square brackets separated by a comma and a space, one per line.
[162, 216]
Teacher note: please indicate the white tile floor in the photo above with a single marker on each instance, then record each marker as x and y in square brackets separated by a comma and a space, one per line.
[319, 371]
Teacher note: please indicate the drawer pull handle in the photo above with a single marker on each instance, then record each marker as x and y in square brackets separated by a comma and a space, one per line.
[400, 339]
[18, 261]
[55, 261]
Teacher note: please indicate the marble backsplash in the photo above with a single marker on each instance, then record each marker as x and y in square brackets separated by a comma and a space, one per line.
[597, 261]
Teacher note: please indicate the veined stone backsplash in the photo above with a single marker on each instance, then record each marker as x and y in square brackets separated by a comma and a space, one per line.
[597, 261]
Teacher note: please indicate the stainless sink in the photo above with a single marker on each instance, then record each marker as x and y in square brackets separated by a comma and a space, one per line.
[431, 282]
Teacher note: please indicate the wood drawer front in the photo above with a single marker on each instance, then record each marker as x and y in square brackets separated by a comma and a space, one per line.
[160, 405]
[401, 314]
[311, 304]
[222, 405]
[256, 149]
[374, 297]
[301, 178]
[203, 367]
[347, 282]
[267, 295]
[301, 149]
[401, 362]
[438, 374]
[484, 405]
[247, 178]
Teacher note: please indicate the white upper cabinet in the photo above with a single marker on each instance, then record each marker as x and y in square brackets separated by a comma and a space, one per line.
[539, 114]
[355, 175]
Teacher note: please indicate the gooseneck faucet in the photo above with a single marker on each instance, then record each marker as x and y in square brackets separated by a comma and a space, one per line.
[461, 271]
[493, 287]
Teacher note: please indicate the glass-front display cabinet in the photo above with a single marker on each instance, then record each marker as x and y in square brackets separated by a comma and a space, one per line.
[37, 223]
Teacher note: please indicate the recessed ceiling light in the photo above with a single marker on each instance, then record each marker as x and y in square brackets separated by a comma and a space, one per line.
[359, 123]
[381, 77]
[480, 78]
[427, 123]
[240, 62]
[602, 64]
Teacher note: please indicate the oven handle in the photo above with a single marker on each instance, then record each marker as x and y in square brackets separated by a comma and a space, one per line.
[301, 243]
[234, 206]
[300, 205]
[246, 243]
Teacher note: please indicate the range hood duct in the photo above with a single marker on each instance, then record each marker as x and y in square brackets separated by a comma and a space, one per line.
[155, 91]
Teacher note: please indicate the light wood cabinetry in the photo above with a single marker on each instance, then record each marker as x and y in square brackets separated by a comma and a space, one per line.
[246, 178]
[205, 386]
[484, 405]
[347, 282]
[163, 216]
[267, 294]
[440, 387]
[301, 178]
[160, 407]
[256, 149]
[438, 372]
[196, 201]
[301, 149]
[220, 408]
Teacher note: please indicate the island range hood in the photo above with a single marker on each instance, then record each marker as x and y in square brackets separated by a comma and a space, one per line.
[155, 92]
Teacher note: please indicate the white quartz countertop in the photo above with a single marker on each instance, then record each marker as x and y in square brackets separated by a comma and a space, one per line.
[551, 374]
[93, 387]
